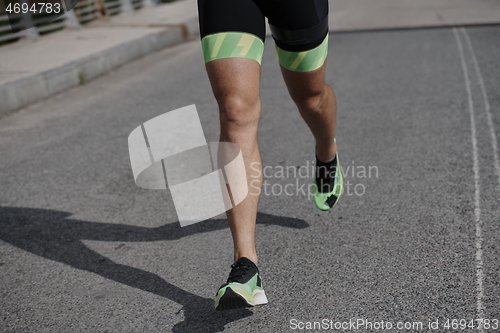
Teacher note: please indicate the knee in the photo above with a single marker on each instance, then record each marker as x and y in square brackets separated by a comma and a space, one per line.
[239, 112]
[310, 104]
[316, 101]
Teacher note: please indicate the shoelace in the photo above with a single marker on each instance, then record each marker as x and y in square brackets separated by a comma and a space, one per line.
[237, 272]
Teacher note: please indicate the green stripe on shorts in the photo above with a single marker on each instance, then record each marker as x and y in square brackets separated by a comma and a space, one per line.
[232, 45]
[305, 61]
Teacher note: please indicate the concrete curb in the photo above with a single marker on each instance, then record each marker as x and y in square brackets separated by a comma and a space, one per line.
[18, 94]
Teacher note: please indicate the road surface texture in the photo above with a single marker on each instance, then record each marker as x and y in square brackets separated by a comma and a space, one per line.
[414, 239]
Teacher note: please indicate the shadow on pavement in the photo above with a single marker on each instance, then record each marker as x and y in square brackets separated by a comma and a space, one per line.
[50, 234]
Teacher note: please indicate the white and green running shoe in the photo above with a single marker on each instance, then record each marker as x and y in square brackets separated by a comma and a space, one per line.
[243, 287]
[328, 183]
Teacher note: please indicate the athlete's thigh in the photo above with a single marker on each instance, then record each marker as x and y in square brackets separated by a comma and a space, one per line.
[300, 32]
[235, 81]
[232, 35]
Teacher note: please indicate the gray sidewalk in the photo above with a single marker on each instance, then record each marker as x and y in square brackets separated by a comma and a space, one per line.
[348, 15]
[33, 70]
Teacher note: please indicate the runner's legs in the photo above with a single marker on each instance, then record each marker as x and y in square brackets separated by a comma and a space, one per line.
[233, 42]
[235, 83]
[317, 106]
[232, 39]
[301, 38]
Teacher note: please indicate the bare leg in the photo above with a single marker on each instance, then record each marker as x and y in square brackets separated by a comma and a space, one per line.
[317, 106]
[235, 83]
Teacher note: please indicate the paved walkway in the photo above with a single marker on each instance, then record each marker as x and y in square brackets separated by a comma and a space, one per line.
[348, 15]
[413, 240]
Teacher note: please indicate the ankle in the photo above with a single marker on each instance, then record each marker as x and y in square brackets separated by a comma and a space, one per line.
[326, 153]
[252, 257]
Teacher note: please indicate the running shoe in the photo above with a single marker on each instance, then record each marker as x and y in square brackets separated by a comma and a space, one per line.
[243, 287]
[328, 184]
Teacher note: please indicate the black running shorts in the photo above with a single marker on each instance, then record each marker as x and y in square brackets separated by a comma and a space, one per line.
[236, 28]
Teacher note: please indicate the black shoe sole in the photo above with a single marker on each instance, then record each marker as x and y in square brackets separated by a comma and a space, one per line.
[231, 300]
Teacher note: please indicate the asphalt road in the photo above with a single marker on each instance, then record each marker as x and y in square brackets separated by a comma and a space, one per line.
[414, 238]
